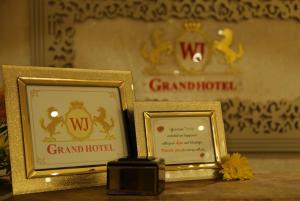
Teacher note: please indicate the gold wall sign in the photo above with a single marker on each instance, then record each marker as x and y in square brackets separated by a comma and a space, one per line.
[192, 51]
[214, 60]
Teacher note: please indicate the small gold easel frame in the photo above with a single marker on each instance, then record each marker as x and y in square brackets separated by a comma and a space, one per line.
[189, 135]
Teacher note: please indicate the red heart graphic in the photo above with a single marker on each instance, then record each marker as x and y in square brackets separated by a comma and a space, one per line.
[160, 129]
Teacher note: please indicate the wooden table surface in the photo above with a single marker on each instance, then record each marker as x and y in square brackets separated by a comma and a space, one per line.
[264, 186]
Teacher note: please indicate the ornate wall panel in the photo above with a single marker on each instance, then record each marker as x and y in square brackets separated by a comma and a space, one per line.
[251, 125]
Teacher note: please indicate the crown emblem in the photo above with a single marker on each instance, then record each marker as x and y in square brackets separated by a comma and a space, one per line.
[76, 104]
[192, 26]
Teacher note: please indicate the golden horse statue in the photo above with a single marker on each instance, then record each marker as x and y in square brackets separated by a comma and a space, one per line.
[159, 47]
[51, 127]
[101, 119]
[224, 46]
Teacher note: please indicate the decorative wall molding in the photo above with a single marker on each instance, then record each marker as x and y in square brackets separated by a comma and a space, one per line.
[53, 33]
[269, 123]
[55, 19]
[265, 118]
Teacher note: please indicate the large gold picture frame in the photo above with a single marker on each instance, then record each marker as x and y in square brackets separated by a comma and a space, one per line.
[43, 106]
[185, 118]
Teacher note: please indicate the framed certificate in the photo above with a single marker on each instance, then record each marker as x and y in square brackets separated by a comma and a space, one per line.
[188, 135]
[64, 123]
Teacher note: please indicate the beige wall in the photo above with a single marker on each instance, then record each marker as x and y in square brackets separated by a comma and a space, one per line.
[14, 34]
[15, 49]
[274, 162]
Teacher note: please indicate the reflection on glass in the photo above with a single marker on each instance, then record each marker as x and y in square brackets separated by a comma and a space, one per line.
[167, 175]
[47, 179]
[197, 57]
[221, 32]
[201, 128]
[54, 114]
[176, 72]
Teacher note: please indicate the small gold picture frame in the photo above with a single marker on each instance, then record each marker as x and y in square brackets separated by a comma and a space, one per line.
[188, 135]
[64, 125]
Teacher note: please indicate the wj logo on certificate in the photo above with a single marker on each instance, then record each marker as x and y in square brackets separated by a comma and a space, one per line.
[78, 121]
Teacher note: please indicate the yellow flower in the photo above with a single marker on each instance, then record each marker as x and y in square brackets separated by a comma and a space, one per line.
[235, 166]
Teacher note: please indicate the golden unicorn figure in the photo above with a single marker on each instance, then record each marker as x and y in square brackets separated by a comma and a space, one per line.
[51, 127]
[159, 47]
[101, 119]
[223, 46]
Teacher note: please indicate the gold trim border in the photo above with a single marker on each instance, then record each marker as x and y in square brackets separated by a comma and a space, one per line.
[28, 143]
